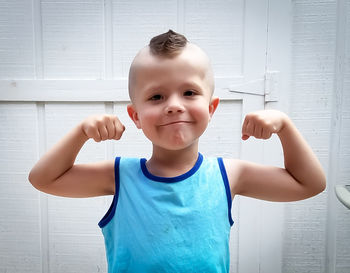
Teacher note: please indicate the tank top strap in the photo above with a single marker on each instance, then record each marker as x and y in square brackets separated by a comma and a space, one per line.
[111, 211]
[227, 188]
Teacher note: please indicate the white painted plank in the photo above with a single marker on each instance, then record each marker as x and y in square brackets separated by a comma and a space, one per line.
[255, 39]
[313, 50]
[277, 59]
[16, 42]
[44, 222]
[108, 39]
[64, 90]
[342, 77]
[38, 39]
[311, 96]
[223, 135]
[250, 217]
[217, 27]
[73, 42]
[86, 90]
[134, 24]
[75, 240]
[19, 201]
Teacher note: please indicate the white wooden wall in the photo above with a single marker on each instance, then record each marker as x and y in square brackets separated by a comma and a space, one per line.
[317, 231]
[63, 60]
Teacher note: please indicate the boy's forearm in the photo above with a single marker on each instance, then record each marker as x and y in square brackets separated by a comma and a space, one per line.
[58, 159]
[299, 159]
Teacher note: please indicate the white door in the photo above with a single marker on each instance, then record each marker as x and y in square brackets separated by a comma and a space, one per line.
[73, 78]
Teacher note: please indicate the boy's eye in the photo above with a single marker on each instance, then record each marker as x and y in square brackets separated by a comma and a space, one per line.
[156, 97]
[189, 93]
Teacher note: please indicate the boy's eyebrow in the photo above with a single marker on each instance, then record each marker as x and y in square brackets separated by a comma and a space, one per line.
[189, 84]
[192, 85]
[152, 88]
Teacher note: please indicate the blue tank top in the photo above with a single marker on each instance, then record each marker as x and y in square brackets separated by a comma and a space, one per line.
[162, 224]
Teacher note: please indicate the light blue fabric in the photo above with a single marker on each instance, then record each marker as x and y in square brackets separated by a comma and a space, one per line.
[179, 224]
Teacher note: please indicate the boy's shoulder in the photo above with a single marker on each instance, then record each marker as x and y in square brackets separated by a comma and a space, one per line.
[234, 168]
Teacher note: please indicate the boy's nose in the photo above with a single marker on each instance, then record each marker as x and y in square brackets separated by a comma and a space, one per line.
[174, 106]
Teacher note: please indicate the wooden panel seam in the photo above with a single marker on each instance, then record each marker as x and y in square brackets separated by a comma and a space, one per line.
[43, 202]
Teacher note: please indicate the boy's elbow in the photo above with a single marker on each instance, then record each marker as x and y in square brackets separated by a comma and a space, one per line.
[319, 187]
[31, 179]
[34, 180]
[323, 185]
[322, 182]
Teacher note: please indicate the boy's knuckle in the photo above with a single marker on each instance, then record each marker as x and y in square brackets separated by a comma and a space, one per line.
[98, 122]
[90, 132]
[105, 119]
[267, 124]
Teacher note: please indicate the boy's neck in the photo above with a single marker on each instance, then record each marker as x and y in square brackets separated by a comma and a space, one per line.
[170, 163]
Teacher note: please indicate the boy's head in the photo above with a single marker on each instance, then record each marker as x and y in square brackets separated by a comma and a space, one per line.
[171, 86]
[169, 45]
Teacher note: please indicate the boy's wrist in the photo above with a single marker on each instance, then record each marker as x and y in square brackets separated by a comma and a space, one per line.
[80, 133]
[287, 124]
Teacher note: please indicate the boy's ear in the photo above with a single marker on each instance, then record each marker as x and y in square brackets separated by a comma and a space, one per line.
[213, 105]
[133, 115]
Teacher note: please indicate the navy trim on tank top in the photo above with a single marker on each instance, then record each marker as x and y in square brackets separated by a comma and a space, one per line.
[111, 211]
[171, 179]
[227, 188]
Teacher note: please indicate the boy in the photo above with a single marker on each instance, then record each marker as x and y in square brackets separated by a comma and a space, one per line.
[171, 213]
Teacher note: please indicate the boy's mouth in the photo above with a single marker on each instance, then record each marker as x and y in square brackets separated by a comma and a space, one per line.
[176, 122]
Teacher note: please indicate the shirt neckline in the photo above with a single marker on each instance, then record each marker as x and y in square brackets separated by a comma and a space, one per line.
[171, 179]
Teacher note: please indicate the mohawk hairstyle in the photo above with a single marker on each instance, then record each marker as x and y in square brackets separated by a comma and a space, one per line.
[167, 44]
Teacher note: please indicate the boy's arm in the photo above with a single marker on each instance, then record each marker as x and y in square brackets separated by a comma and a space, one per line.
[55, 173]
[302, 176]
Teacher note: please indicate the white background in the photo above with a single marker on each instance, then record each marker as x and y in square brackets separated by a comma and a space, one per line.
[63, 60]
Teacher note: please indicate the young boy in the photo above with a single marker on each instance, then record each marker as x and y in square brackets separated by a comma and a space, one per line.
[171, 213]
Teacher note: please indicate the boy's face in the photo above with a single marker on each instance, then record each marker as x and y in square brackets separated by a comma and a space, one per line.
[171, 97]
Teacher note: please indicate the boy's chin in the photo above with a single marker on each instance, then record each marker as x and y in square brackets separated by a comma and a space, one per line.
[176, 146]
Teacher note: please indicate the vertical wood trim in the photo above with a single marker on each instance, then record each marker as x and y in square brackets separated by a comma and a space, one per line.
[335, 133]
[38, 41]
[277, 59]
[254, 28]
[108, 38]
[40, 106]
[250, 209]
[43, 202]
[109, 147]
[267, 36]
[181, 16]
[244, 10]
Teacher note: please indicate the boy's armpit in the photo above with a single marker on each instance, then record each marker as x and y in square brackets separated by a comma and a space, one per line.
[265, 182]
[84, 180]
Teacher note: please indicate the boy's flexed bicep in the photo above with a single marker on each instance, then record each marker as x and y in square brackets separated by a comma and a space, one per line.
[263, 182]
[84, 180]
[302, 176]
[56, 172]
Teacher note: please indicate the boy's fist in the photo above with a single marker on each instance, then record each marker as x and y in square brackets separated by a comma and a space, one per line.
[102, 127]
[262, 124]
